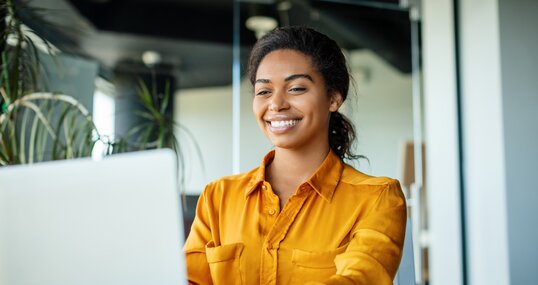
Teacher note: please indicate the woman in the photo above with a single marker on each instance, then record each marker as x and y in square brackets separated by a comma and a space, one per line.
[303, 215]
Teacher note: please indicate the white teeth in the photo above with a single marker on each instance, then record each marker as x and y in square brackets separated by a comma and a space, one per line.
[284, 123]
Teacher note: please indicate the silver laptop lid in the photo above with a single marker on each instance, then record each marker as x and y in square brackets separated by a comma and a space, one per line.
[115, 221]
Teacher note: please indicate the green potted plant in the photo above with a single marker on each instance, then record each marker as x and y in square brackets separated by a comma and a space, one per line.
[35, 125]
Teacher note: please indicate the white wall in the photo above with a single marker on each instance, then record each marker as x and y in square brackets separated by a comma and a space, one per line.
[519, 62]
[206, 113]
[382, 113]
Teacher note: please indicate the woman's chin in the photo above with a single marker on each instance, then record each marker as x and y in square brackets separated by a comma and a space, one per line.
[289, 143]
[284, 144]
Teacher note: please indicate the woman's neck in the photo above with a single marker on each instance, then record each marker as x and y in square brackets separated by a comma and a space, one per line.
[290, 168]
[297, 163]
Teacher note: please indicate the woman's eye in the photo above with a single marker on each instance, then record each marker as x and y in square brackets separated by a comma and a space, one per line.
[297, 89]
[262, 92]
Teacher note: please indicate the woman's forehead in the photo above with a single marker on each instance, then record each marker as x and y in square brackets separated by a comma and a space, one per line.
[284, 63]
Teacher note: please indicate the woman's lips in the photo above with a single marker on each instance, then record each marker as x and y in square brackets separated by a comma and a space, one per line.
[281, 126]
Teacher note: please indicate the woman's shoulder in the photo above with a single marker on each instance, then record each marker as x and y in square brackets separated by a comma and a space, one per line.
[357, 186]
[353, 176]
[232, 183]
[362, 183]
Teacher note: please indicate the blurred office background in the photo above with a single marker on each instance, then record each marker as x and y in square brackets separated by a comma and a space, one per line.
[451, 85]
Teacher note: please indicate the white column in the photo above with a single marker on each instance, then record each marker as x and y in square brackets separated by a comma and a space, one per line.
[483, 141]
[441, 137]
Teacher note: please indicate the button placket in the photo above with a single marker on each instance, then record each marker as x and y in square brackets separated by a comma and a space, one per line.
[277, 233]
[271, 208]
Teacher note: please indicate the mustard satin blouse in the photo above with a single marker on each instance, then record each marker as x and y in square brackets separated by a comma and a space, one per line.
[340, 227]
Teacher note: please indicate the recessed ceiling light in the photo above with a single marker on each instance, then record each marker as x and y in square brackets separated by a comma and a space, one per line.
[151, 58]
[260, 25]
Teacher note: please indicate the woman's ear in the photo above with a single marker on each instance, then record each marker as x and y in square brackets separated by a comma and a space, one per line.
[336, 101]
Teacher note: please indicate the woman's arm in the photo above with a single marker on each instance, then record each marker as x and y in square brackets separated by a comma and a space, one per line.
[375, 250]
[200, 234]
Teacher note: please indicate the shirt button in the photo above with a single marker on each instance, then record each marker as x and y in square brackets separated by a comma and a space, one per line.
[264, 187]
[272, 211]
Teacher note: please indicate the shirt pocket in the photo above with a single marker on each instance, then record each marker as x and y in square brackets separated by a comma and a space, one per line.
[224, 263]
[313, 265]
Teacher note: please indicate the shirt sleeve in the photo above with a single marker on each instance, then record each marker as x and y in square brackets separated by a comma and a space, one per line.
[200, 234]
[375, 250]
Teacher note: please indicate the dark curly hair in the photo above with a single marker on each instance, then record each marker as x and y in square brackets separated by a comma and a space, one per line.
[329, 61]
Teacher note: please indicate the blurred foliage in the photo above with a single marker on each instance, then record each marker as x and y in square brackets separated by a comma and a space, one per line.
[36, 125]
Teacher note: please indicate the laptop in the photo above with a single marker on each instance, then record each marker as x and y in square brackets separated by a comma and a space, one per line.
[115, 221]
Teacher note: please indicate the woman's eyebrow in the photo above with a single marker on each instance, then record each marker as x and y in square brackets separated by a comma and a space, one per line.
[261, 80]
[288, 78]
[295, 76]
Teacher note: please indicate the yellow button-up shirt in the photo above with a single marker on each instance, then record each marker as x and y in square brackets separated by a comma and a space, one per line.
[340, 227]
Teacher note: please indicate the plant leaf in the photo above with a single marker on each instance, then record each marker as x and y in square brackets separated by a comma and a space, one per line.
[166, 97]
[22, 136]
[33, 140]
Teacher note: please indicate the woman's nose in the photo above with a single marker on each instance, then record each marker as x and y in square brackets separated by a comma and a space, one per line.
[278, 102]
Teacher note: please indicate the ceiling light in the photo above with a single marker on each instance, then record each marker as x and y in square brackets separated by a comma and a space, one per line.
[284, 6]
[151, 58]
[261, 25]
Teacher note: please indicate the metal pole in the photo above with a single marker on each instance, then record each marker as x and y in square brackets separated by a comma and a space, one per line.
[416, 188]
[236, 89]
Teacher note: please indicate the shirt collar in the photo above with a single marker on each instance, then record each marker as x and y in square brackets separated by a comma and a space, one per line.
[323, 181]
[259, 175]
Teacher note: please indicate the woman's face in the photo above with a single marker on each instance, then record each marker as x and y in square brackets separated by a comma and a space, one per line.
[291, 103]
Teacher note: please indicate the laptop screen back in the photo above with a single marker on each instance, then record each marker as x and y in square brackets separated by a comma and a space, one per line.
[115, 221]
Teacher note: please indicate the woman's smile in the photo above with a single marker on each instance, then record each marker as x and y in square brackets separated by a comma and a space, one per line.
[280, 127]
[280, 124]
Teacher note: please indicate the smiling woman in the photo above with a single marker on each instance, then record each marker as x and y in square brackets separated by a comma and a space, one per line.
[303, 215]
[291, 102]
